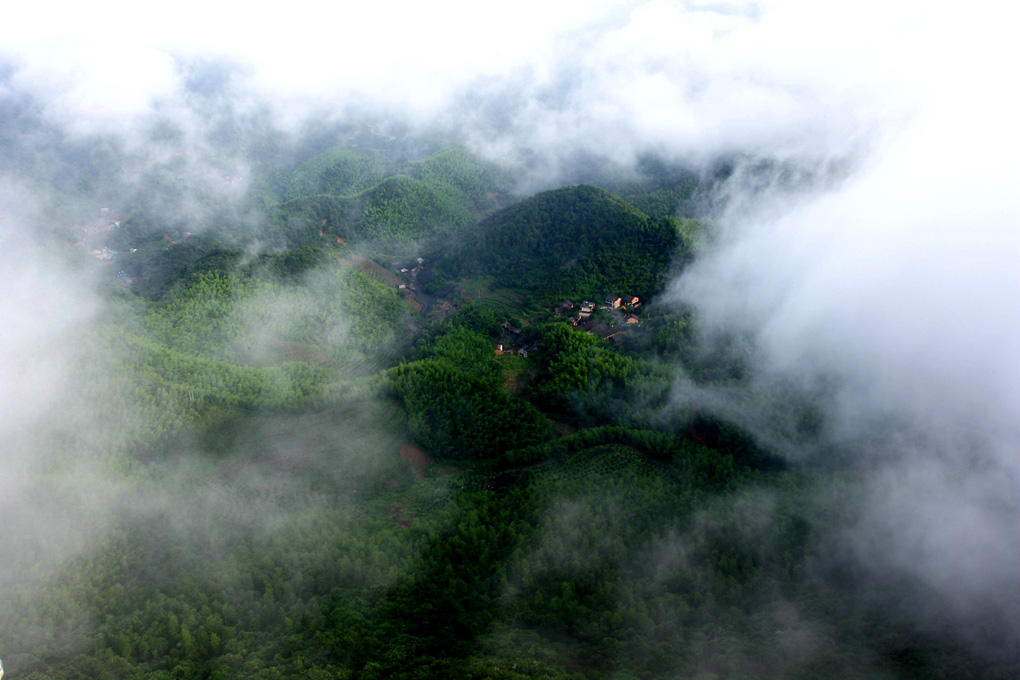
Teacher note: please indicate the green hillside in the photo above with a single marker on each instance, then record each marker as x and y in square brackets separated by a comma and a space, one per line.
[283, 531]
[345, 194]
[286, 470]
[465, 178]
[336, 172]
[572, 242]
[403, 207]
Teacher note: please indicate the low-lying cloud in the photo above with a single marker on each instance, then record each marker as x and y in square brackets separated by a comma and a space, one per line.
[613, 78]
[899, 288]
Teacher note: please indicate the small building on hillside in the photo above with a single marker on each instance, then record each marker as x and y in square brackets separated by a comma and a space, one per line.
[631, 301]
[612, 301]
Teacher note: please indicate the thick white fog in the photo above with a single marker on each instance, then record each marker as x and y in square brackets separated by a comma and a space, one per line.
[900, 287]
[691, 79]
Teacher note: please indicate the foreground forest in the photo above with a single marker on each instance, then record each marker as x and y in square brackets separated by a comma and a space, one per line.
[328, 458]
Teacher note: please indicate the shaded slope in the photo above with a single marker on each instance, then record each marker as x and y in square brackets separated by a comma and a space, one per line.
[572, 242]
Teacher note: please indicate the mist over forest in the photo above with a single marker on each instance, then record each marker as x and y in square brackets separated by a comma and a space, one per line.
[605, 340]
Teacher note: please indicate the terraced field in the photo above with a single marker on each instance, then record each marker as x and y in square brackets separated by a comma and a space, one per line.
[504, 301]
[369, 267]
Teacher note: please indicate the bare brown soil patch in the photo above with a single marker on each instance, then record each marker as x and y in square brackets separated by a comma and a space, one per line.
[416, 458]
[515, 381]
[562, 429]
[400, 514]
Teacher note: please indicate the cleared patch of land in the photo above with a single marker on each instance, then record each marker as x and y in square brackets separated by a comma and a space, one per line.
[416, 458]
[373, 269]
[364, 265]
[517, 373]
[504, 301]
[290, 351]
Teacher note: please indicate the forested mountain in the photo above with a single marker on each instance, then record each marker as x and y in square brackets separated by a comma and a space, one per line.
[337, 171]
[353, 196]
[572, 242]
[308, 470]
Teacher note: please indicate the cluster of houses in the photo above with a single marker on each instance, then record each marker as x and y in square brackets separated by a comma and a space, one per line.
[412, 273]
[620, 306]
[93, 235]
[511, 342]
[611, 303]
[510, 349]
[627, 301]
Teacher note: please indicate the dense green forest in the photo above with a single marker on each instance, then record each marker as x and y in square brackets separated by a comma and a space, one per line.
[347, 195]
[570, 243]
[313, 473]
